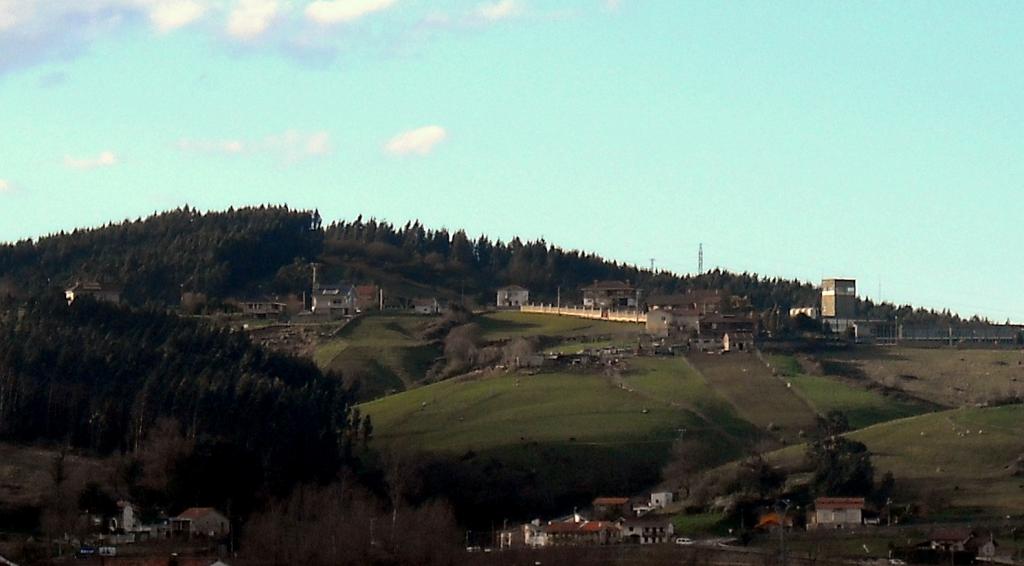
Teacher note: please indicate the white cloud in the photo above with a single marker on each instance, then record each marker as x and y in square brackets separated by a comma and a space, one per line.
[420, 141]
[500, 10]
[5, 186]
[13, 12]
[250, 18]
[291, 145]
[169, 15]
[105, 159]
[211, 146]
[342, 11]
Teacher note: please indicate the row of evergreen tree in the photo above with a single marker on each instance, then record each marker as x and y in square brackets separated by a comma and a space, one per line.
[250, 250]
[97, 377]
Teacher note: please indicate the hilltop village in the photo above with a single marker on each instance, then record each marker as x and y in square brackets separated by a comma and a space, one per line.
[252, 387]
[702, 323]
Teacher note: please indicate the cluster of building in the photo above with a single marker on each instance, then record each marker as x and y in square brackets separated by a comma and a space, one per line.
[126, 526]
[714, 320]
[613, 520]
[839, 312]
[706, 320]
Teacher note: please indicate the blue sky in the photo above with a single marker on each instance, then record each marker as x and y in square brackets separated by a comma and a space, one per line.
[876, 140]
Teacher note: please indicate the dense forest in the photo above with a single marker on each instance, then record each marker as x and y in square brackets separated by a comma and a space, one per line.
[220, 254]
[247, 251]
[101, 378]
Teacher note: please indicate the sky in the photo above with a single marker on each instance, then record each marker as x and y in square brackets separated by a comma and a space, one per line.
[875, 140]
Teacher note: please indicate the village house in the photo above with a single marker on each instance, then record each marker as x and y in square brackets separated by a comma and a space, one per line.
[658, 500]
[962, 540]
[261, 308]
[611, 507]
[722, 324]
[836, 513]
[647, 530]
[810, 312]
[582, 532]
[668, 322]
[703, 301]
[201, 522]
[609, 295]
[94, 289]
[738, 342]
[530, 535]
[334, 301]
[367, 297]
[426, 306]
[512, 296]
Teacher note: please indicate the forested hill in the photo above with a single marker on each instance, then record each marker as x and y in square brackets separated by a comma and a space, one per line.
[245, 251]
[100, 378]
[217, 253]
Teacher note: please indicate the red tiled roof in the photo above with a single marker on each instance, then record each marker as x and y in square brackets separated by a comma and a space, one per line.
[839, 503]
[585, 527]
[193, 513]
[611, 501]
[596, 526]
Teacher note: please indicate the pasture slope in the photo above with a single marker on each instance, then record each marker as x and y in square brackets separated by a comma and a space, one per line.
[962, 459]
[503, 325]
[758, 396]
[862, 407]
[379, 354]
[946, 376]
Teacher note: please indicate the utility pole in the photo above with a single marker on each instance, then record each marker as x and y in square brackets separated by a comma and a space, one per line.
[652, 266]
[559, 299]
[700, 258]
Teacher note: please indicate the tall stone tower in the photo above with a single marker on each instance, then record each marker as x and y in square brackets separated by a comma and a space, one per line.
[838, 298]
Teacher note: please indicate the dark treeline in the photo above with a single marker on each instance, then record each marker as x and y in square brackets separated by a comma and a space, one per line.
[251, 250]
[102, 378]
[217, 253]
[453, 260]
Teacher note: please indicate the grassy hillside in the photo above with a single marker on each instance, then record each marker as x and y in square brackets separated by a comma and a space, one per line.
[862, 407]
[962, 458]
[758, 396]
[516, 445]
[677, 383]
[381, 353]
[507, 409]
[511, 324]
[947, 376]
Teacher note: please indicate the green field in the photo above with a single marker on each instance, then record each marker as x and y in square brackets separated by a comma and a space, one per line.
[576, 345]
[947, 376]
[675, 382]
[513, 324]
[509, 409]
[758, 396]
[535, 444]
[382, 353]
[960, 458]
[862, 407]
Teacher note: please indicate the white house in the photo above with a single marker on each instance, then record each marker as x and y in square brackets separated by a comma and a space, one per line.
[837, 513]
[512, 296]
[202, 522]
[738, 342]
[93, 289]
[335, 300]
[647, 531]
[127, 521]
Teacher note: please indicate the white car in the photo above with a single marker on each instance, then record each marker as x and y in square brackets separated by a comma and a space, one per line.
[684, 540]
